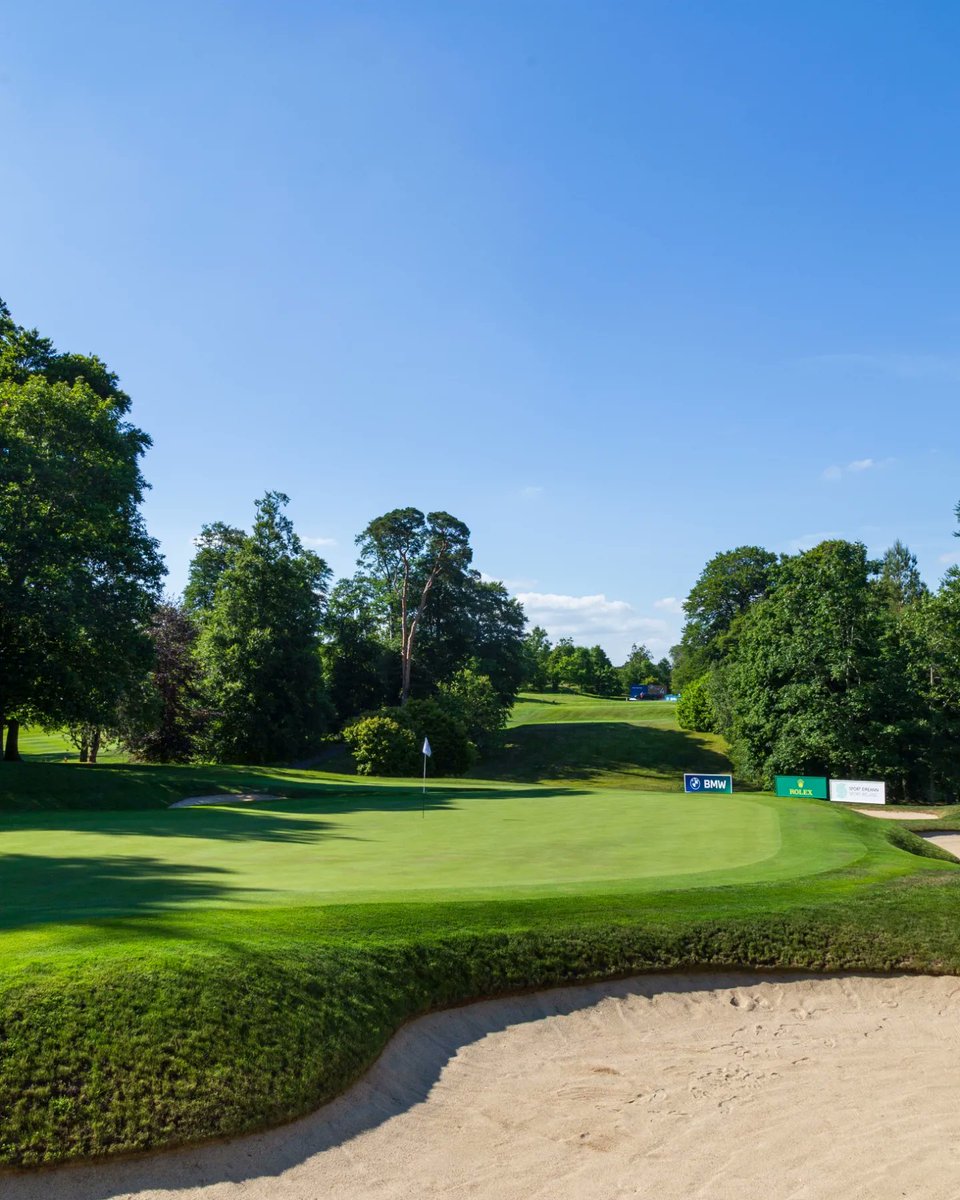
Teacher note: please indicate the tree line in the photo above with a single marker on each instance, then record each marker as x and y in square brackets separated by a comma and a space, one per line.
[826, 662]
[263, 655]
[587, 669]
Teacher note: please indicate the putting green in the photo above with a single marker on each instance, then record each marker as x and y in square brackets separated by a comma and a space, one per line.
[58, 866]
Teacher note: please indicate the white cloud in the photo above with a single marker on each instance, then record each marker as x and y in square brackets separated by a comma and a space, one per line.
[318, 541]
[951, 556]
[671, 604]
[531, 491]
[614, 624]
[857, 467]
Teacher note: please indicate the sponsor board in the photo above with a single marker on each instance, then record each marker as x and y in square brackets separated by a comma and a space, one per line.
[858, 791]
[814, 786]
[707, 783]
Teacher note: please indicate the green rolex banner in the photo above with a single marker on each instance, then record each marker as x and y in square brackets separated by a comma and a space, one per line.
[802, 785]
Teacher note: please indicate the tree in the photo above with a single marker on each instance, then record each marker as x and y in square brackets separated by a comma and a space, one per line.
[695, 709]
[216, 546]
[407, 553]
[727, 586]
[358, 665]
[932, 625]
[163, 720]
[78, 574]
[260, 647]
[640, 668]
[900, 581]
[536, 659]
[471, 698]
[604, 680]
[818, 678]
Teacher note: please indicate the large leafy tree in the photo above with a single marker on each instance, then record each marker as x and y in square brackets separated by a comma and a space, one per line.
[818, 678]
[358, 665]
[214, 547]
[260, 645]
[729, 583]
[79, 576]
[408, 555]
[162, 720]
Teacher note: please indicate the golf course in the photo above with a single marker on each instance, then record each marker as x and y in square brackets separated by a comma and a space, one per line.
[170, 974]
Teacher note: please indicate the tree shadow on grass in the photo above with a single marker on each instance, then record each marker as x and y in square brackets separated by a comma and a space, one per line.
[402, 1078]
[586, 751]
[48, 788]
[294, 820]
[39, 888]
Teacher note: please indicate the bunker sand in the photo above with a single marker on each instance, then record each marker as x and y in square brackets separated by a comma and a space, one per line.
[785, 1087]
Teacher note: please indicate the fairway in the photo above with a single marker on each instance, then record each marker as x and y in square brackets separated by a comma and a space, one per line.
[66, 866]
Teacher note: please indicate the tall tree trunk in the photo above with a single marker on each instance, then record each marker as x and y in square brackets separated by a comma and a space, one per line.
[83, 750]
[94, 745]
[12, 751]
[405, 676]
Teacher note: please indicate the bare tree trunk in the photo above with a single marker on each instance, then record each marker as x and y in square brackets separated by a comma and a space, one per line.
[12, 751]
[406, 646]
[95, 744]
[405, 675]
[83, 750]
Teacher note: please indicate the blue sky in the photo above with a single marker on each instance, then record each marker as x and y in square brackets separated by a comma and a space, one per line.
[618, 284]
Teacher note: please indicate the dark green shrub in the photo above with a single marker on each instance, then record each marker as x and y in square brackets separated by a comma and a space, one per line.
[471, 699]
[453, 752]
[381, 745]
[695, 707]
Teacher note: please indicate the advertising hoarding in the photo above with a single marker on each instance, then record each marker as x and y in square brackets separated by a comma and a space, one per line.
[858, 791]
[814, 786]
[707, 783]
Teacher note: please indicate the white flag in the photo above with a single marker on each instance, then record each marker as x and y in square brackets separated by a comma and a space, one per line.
[426, 748]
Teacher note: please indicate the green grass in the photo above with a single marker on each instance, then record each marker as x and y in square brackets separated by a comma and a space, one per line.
[167, 976]
[39, 746]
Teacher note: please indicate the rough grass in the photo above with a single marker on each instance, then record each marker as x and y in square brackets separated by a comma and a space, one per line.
[137, 1012]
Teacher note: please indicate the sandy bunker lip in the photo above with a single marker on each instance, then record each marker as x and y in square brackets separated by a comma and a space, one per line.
[819, 1084]
[221, 798]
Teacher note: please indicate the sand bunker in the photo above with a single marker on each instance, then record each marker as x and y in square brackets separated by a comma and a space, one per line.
[241, 798]
[718, 1087]
[946, 841]
[889, 814]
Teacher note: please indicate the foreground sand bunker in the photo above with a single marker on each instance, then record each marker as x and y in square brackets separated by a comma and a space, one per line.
[711, 1086]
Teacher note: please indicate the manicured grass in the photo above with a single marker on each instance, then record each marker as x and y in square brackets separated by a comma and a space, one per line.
[39, 746]
[471, 843]
[167, 976]
[563, 738]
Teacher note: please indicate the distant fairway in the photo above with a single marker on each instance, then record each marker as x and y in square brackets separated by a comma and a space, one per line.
[562, 738]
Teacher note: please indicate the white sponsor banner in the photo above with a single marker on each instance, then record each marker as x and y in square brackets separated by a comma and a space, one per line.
[858, 791]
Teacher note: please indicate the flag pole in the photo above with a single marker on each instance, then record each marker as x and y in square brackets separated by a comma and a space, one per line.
[427, 752]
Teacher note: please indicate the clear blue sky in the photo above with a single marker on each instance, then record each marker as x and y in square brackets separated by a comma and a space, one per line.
[618, 284]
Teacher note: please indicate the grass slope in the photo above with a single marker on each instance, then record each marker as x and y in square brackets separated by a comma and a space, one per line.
[171, 976]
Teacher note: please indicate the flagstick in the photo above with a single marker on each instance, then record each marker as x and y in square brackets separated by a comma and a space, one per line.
[423, 802]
